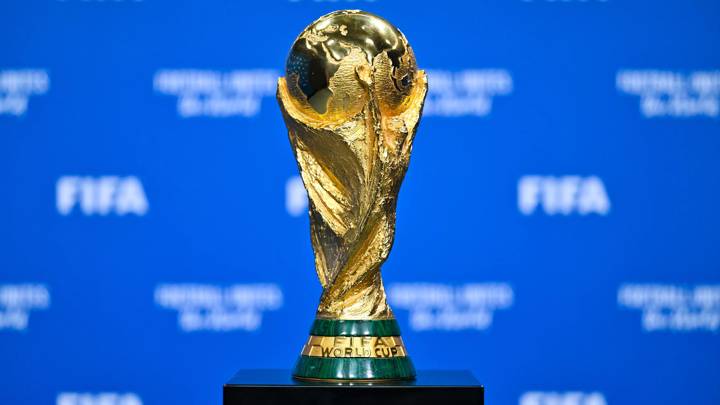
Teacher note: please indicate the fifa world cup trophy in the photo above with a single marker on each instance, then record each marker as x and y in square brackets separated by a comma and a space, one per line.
[351, 98]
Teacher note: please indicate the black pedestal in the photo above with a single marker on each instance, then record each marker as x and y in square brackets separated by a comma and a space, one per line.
[275, 387]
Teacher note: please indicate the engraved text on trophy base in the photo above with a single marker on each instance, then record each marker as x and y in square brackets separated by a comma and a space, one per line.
[364, 346]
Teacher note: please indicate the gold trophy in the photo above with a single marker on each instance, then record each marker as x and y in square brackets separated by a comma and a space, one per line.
[352, 99]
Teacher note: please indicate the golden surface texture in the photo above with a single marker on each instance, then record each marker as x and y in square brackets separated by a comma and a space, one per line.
[352, 99]
[358, 346]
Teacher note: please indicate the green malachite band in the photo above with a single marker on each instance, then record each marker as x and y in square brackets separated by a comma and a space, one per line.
[340, 327]
[354, 368]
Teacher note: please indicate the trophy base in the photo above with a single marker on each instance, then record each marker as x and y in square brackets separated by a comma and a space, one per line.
[270, 387]
[354, 350]
[354, 369]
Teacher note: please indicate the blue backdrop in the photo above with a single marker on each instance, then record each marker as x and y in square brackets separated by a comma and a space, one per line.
[557, 232]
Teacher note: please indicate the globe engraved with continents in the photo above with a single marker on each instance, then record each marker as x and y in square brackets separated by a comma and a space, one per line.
[318, 53]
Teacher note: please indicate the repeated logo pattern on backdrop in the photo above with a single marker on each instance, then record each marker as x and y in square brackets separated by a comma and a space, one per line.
[557, 229]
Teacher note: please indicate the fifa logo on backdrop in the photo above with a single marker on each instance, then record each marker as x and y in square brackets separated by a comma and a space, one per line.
[101, 195]
[211, 93]
[17, 86]
[465, 92]
[435, 306]
[16, 302]
[665, 93]
[563, 195]
[218, 308]
[102, 398]
[296, 199]
[562, 398]
[668, 307]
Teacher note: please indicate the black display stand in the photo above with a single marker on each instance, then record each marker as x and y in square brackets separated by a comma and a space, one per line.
[275, 387]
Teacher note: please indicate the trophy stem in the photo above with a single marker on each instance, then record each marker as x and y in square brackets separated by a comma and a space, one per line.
[353, 351]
